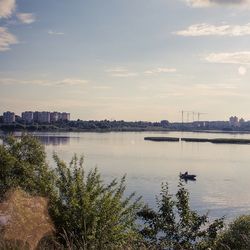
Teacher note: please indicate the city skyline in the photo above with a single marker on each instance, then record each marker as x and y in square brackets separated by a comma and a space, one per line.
[35, 116]
[126, 60]
[55, 116]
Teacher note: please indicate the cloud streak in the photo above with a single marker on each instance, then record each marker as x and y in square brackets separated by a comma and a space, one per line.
[241, 58]
[7, 7]
[160, 70]
[71, 82]
[55, 33]
[6, 39]
[26, 18]
[120, 72]
[204, 29]
[211, 3]
[45, 82]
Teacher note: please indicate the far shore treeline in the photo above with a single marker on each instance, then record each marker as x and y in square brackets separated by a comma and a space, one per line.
[123, 126]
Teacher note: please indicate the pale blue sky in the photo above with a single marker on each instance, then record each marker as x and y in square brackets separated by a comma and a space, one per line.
[126, 59]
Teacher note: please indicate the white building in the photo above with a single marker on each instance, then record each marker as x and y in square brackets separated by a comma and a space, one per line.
[65, 116]
[54, 116]
[234, 121]
[9, 117]
[27, 116]
[44, 117]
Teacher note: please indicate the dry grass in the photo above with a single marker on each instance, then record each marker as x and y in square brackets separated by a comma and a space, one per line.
[24, 220]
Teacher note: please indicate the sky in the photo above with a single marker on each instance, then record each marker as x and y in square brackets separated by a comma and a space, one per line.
[126, 59]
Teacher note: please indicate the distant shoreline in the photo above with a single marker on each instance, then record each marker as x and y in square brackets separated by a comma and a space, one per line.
[151, 129]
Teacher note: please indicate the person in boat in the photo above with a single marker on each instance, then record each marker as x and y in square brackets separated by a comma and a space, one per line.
[186, 173]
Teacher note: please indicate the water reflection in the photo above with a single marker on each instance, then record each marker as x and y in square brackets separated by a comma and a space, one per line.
[53, 140]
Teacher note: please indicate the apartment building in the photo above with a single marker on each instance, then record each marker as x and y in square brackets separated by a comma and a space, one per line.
[54, 116]
[44, 117]
[9, 117]
[27, 116]
[65, 116]
[37, 116]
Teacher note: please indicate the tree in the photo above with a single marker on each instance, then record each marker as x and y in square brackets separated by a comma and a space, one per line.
[175, 226]
[23, 164]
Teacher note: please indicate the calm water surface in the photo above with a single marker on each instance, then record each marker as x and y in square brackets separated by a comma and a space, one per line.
[223, 171]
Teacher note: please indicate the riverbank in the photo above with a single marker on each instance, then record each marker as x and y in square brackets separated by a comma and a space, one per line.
[52, 128]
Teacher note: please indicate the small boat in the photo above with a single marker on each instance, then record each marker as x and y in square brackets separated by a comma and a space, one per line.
[187, 176]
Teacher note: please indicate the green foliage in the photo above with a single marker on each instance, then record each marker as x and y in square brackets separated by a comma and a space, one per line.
[236, 236]
[89, 214]
[85, 210]
[175, 226]
[23, 164]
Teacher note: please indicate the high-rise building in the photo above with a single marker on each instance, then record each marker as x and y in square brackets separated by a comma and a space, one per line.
[35, 116]
[234, 121]
[44, 117]
[27, 116]
[9, 117]
[65, 116]
[54, 116]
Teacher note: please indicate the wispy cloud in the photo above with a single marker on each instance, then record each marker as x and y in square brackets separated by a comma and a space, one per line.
[193, 90]
[6, 39]
[214, 89]
[211, 3]
[160, 70]
[204, 29]
[120, 72]
[215, 86]
[71, 82]
[7, 7]
[55, 33]
[26, 18]
[242, 58]
[7, 10]
[44, 82]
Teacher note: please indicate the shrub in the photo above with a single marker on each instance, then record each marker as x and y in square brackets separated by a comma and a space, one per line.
[236, 236]
[84, 209]
[175, 226]
[90, 213]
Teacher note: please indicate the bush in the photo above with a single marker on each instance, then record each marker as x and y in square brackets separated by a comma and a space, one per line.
[89, 214]
[92, 214]
[84, 209]
[236, 236]
[175, 226]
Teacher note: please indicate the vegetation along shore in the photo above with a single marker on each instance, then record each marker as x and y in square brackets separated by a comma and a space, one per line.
[77, 210]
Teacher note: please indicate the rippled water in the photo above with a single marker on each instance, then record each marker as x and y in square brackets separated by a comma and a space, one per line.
[223, 171]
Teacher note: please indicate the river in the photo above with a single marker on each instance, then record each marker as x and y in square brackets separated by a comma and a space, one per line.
[223, 170]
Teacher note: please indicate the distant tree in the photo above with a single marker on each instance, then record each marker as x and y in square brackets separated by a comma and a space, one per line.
[175, 226]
